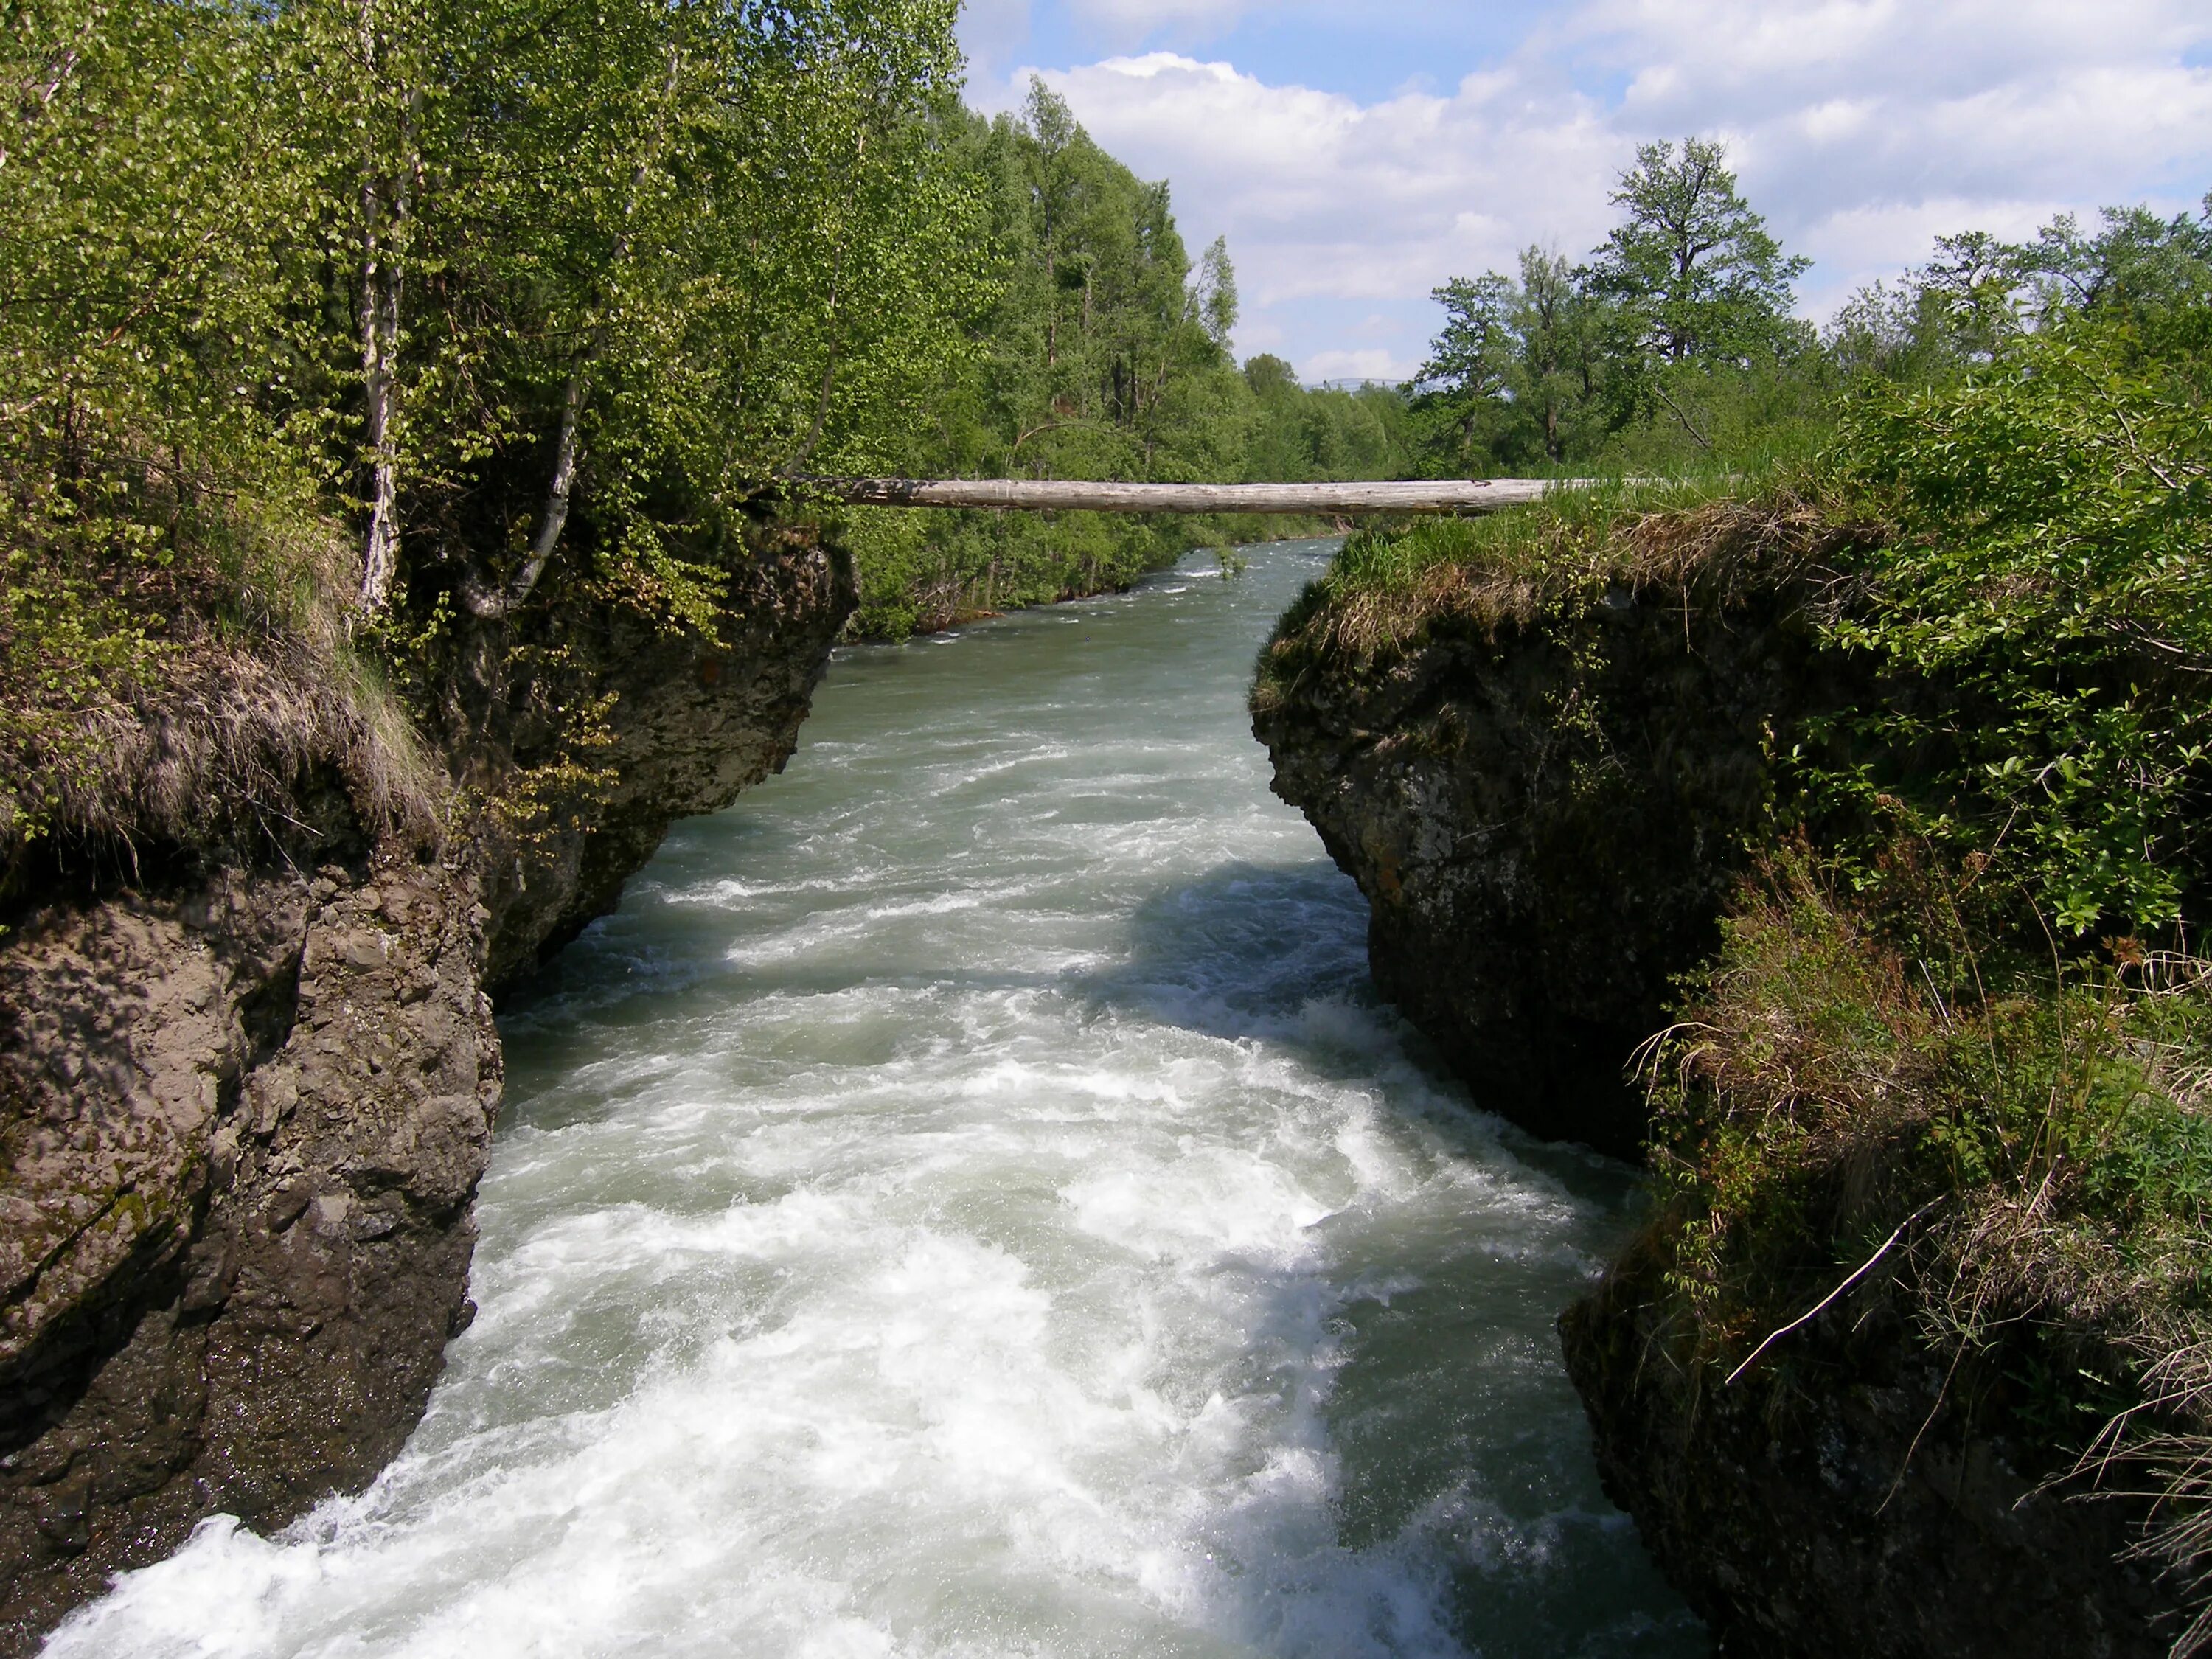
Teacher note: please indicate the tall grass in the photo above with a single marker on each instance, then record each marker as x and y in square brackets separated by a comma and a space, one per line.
[2016, 1155]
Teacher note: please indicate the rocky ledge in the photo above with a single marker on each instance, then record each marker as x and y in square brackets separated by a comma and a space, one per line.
[245, 1104]
[1545, 799]
[1545, 787]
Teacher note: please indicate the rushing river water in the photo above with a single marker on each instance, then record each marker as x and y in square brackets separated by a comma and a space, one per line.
[970, 1202]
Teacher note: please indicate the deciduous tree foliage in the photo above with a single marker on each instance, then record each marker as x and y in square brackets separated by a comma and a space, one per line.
[460, 304]
[2029, 420]
[447, 260]
[1676, 336]
[1102, 351]
[1691, 268]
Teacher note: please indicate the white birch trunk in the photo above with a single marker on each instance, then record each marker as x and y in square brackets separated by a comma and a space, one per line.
[380, 346]
[492, 603]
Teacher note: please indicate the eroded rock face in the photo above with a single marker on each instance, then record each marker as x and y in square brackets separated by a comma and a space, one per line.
[1547, 820]
[692, 723]
[244, 1115]
[248, 1123]
[1858, 1513]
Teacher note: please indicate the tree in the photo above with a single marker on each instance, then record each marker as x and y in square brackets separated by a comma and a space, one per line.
[1516, 376]
[1097, 349]
[1695, 272]
[1214, 296]
[1979, 296]
[506, 289]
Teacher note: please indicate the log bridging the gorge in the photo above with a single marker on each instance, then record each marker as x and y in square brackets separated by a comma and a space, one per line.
[1054, 495]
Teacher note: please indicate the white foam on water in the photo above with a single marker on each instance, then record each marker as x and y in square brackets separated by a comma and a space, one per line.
[970, 1202]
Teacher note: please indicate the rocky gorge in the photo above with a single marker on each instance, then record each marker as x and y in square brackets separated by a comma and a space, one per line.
[1550, 780]
[248, 1098]
[247, 1087]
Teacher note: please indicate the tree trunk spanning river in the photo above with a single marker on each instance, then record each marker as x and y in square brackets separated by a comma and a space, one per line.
[970, 1201]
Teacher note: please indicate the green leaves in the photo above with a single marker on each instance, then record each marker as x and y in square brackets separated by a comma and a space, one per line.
[2049, 566]
[1679, 325]
[407, 253]
[1095, 348]
[525, 300]
[1693, 269]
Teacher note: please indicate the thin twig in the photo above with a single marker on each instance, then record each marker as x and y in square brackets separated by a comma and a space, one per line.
[1703, 442]
[1820, 1308]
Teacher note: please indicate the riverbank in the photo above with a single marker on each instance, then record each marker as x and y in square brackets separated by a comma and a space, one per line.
[972, 1187]
[923, 573]
[1582, 765]
[249, 1068]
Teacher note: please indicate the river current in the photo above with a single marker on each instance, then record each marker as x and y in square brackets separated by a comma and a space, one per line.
[970, 1201]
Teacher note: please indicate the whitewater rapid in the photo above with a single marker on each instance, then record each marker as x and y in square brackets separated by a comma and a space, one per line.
[969, 1201]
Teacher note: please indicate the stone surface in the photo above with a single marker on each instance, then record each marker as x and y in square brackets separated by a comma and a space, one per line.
[1855, 1511]
[691, 723]
[245, 1110]
[1546, 818]
[248, 1123]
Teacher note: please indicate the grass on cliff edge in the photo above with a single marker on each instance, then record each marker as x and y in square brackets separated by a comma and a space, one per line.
[2014, 1157]
[1391, 586]
[176, 667]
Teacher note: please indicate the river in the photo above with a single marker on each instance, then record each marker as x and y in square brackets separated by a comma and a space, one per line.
[970, 1201]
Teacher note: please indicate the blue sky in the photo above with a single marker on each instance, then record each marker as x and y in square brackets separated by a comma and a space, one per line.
[1357, 153]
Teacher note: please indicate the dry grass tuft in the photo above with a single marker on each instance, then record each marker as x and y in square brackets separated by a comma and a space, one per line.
[234, 692]
[229, 738]
[1387, 591]
[2040, 1151]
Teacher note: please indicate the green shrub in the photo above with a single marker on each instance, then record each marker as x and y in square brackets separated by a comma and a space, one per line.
[2050, 559]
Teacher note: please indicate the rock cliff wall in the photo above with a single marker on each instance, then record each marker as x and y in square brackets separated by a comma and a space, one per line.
[244, 1108]
[693, 722]
[1546, 801]
[1547, 812]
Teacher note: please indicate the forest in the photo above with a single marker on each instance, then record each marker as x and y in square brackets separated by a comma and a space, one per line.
[356, 317]
[1100, 349]
[1675, 346]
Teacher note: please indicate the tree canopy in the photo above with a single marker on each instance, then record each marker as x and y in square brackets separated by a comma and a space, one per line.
[509, 279]
[448, 305]
[1693, 270]
[1686, 303]
[1100, 349]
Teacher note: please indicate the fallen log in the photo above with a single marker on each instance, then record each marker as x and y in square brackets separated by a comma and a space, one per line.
[1065, 495]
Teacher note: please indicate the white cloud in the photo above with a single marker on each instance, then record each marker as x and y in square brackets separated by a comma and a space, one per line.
[1854, 245]
[1862, 128]
[1352, 366]
[1837, 104]
[1322, 195]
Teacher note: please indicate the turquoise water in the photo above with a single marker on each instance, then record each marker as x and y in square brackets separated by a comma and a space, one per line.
[970, 1201]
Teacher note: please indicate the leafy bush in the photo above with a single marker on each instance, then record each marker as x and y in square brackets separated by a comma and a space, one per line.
[2050, 558]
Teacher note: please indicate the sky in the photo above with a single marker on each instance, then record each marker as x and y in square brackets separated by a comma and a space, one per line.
[1358, 153]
